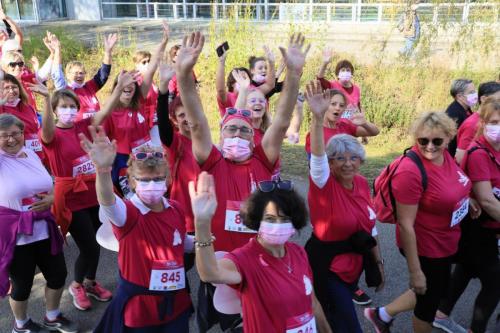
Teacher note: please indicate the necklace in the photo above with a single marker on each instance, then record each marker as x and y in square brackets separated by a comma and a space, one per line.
[289, 265]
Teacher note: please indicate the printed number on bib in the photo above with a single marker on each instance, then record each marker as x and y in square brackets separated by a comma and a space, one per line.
[33, 143]
[461, 210]
[167, 275]
[26, 203]
[144, 142]
[88, 114]
[83, 166]
[301, 324]
[233, 219]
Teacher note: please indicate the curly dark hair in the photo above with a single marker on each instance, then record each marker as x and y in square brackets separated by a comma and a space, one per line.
[344, 64]
[292, 205]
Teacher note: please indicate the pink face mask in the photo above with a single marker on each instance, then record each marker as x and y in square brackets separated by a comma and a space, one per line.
[236, 149]
[492, 132]
[75, 85]
[67, 116]
[150, 192]
[276, 233]
[14, 103]
[259, 78]
[345, 76]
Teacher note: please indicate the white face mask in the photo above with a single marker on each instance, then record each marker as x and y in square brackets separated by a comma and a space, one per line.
[75, 85]
[345, 76]
[67, 116]
[492, 132]
[236, 149]
[259, 78]
[13, 103]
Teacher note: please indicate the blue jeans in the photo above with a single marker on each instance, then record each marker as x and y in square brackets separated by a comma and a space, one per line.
[407, 50]
[341, 313]
[178, 325]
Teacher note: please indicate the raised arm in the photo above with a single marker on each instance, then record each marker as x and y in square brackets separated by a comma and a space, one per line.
[155, 62]
[186, 59]
[165, 125]
[364, 127]
[204, 203]
[57, 74]
[293, 132]
[48, 121]
[220, 78]
[13, 25]
[327, 59]
[124, 79]
[271, 72]
[244, 81]
[294, 58]
[109, 44]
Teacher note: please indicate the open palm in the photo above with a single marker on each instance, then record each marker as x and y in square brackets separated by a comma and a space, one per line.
[102, 152]
[318, 100]
[203, 198]
[295, 55]
[190, 51]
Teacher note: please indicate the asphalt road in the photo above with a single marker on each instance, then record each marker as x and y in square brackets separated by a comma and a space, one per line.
[396, 283]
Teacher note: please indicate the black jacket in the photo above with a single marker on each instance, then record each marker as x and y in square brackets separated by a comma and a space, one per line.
[458, 113]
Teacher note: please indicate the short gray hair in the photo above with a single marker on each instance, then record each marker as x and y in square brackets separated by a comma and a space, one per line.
[344, 143]
[458, 86]
[7, 120]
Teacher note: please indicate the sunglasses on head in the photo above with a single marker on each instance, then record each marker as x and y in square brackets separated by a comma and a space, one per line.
[141, 156]
[233, 111]
[270, 185]
[435, 142]
[16, 64]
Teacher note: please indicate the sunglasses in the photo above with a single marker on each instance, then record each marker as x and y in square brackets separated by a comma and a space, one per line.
[435, 142]
[16, 64]
[267, 186]
[233, 111]
[141, 156]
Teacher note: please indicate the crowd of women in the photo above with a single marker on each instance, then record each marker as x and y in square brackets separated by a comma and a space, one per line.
[144, 167]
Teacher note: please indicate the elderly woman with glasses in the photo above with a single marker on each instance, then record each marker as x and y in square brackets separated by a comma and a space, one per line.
[271, 274]
[240, 164]
[428, 221]
[29, 235]
[342, 216]
[151, 295]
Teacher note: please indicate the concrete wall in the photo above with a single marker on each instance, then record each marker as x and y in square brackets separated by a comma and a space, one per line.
[84, 10]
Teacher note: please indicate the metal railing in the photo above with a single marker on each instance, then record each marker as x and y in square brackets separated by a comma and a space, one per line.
[300, 12]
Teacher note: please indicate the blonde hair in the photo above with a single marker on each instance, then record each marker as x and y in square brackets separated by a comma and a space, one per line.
[150, 164]
[11, 56]
[73, 64]
[433, 120]
[141, 55]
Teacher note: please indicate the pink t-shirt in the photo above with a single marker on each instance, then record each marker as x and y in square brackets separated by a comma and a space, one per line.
[353, 95]
[89, 104]
[467, 131]
[342, 126]
[230, 102]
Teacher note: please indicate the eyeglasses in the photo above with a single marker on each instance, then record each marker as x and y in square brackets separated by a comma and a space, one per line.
[16, 64]
[13, 87]
[267, 186]
[147, 180]
[14, 135]
[233, 111]
[232, 129]
[141, 156]
[436, 141]
[343, 160]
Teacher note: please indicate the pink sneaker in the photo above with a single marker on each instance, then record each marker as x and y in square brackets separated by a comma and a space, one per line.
[80, 299]
[98, 292]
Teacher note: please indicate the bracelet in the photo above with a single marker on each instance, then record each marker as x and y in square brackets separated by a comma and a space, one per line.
[199, 244]
[380, 262]
[104, 170]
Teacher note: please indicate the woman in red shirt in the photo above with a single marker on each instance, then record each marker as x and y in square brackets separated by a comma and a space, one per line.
[272, 275]
[428, 220]
[341, 209]
[151, 295]
[478, 247]
[13, 63]
[17, 104]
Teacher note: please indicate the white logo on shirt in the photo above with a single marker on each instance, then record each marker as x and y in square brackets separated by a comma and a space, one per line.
[462, 179]
[262, 261]
[308, 285]
[372, 214]
[140, 118]
[177, 238]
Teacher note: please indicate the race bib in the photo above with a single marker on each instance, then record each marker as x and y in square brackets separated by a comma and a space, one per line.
[33, 143]
[301, 324]
[83, 166]
[26, 203]
[461, 210]
[167, 275]
[233, 221]
[88, 114]
[144, 142]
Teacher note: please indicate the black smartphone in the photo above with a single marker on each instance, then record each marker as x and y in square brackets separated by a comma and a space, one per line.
[221, 49]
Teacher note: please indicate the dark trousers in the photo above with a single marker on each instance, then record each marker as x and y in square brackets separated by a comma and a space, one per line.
[178, 325]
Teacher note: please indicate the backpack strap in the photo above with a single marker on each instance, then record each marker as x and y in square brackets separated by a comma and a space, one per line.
[480, 146]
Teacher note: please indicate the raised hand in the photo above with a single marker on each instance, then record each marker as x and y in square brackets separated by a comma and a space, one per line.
[358, 118]
[39, 88]
[269, 54]
[241, 78]
[166, 31]
[318, 100]
[110, 42]
[167, 72]
[327, 55]
[190, 51]
[102, 152]
[295, 56]
[281, 69]
[35, 63]
[126, 78]
[203, 198]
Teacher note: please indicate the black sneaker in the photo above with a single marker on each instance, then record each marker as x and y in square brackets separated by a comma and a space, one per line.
[379, 325]
[60, 324]
[29, 327]
[361, 298]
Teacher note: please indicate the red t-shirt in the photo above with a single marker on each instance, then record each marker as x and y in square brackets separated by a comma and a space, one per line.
[258, 134]
[352, 94]
[27, 114]
[149, 105]
[144, 240]
[29, 77]
[233, 184]
[467, 131]
[231, 98]
[68, 159]
[481, 168]
[89, 104]
[130, 128]
[447, 187]
[172, 85]
[183, 168]
[336, 214]
[342, 126]
[274, 299]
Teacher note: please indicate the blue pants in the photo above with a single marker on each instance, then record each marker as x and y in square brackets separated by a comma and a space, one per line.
[407, 50]
[341, 313]
[179, 325]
